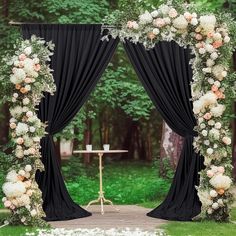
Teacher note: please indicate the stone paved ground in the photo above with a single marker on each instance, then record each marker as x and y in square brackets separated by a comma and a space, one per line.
[128, 216]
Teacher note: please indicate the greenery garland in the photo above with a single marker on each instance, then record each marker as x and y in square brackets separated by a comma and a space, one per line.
[212, 40]
[28, 76]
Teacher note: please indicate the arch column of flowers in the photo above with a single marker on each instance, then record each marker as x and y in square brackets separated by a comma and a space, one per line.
[28, 76]
[211, 39]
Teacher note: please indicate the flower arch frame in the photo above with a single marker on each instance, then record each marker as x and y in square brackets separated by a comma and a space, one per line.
[211, 39]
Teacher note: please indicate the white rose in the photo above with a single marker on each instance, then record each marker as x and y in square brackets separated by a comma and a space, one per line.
[209, 211]
[202, 50]
[145, 18]
[28, 50]
[33, 212]
[207, 69]
[15, 95]
[180, 22]
[215, 205]
[207, 142]
[227, 39]
[220, 202]
[213, 193]
[156, 31]
[217, 83]
[36, 60]
[209, 48]
[194, 21]
[32, 129]
[208, 22]
[21, 172]
[210, 63]
[26, 101]
[211, 81]
[218, 125]
[217, 36]
[204, 133]
[28, 168]
[154, 14]
[210, 151]
[226, 140]
[214, 56]
[29, 113]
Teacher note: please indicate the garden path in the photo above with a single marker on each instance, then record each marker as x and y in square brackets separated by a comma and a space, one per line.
[131, 216]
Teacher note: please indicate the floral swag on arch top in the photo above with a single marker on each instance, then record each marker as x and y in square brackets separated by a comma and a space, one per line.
[210, 39]
[28, 75]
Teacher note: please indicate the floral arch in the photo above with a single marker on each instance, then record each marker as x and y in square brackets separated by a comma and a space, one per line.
[211, 39]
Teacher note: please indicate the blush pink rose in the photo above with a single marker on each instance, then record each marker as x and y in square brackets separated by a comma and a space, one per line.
[12, 125]
[159, 22]
[130, 24]
[20, 141]
[28, 80]
[207, 116]
[22, 57]
[37, 67]
[214, 88]
[198, 36]
[210, 173]
[7, 203]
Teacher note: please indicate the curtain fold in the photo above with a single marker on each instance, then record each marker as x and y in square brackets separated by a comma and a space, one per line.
[166, 75]
[79, 60]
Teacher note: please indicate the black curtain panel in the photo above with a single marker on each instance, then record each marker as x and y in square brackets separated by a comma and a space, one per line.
[166, 75]
[79, 60]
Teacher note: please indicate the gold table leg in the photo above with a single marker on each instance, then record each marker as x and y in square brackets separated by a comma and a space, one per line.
[101, 197]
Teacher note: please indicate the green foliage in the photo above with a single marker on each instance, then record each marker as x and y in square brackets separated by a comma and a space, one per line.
[124, 183]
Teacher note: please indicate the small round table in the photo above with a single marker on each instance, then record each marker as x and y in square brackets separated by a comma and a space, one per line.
[101, 198]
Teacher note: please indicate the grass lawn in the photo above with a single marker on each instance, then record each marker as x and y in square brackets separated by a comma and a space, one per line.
[203, 228]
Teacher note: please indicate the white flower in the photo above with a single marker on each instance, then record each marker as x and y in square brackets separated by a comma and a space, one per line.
[194, 21]
[218, 125]
[210, 151]
[217, 71]
[203, 126]
[213, 193]
[28, 50]
[205, 198]
[26, 101]
[209, 48]
[172, 13]
[207, 142]
[204, 133]
[15, 95]
[135, 25]
[227, 39]
[210, 63]
[202, 51]
[180, 22]
[33, 212]
[36, 60]
[21, 172]
[220, 202]
[207, 69]
[220, 182]
[36, 139]
[214, 56]
[25, 109]
[217, 83]
[218, 110]
[32, 129]
[29, 113]
[14, 189]
[28, 87]
[21, 129]
[211, 122]
[12, 176]
[145, 18]
[156, 31]
[154, 14]
[215, 205]
[29, 66]
[28, 168]
[19, 152]
[209, 211]
[208, 22]
[210, 81]
[209, 98]
[226, 140]
[214, 133]
[214, 169]
[23, 200]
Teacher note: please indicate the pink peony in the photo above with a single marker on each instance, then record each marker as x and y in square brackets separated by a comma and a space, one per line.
[159, 22]
[22, 57]
[207, 116]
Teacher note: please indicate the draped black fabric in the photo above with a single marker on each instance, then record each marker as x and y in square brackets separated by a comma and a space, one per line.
[166, 75]
[79, 59]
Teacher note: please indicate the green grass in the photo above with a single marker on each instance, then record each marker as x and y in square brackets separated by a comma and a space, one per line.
[124, 182]
[202, 228]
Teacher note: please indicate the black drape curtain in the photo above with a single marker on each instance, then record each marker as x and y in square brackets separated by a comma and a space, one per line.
[79, 59]
[166, 75]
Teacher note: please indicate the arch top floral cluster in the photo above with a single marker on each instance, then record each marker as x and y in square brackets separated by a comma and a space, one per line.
[209, 38]
[29, 76]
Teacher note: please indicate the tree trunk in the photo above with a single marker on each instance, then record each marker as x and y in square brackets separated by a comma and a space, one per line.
[234, 129]
[149, 143]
